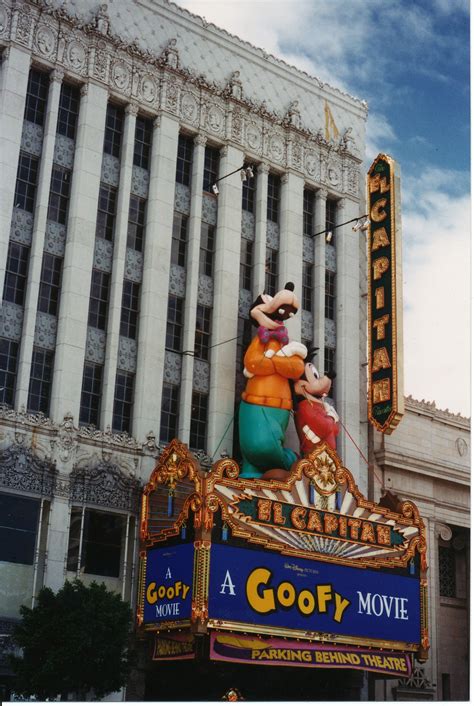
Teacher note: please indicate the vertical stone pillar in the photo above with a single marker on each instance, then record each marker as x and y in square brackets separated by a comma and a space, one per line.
[347, 346]
[57, 543]
[260, 229]
[118, 265]
[319, 275]
[291, 242]
[13, 85]
[37, 244]
[156, 262]
[79, 254]
[192, 280]
[225, 308]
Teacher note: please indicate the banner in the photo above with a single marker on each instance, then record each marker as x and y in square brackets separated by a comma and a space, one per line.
[173, 646]
[291, 653]
[168, 584]
[289, 593]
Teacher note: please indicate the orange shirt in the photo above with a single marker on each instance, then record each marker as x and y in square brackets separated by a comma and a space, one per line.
[269, 385]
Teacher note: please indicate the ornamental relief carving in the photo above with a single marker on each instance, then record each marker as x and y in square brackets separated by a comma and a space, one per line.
[105, 484]
[190, 108]
[330, 257]
[21, 229]
[103, 252]
[148, 89]
[101, 61]
[133, 265]
[172, 95]
[140, 181]
[11, 321]
[311, 164]
[21, 470]
[209, 209]
[95, 345]
[121, 75]
[24, 28]
[64, 151]
[110, 170]
[32, 138]
[273, 235]
[177, 283]
[182, 198]
[329, 333]
[215, 121]
[45, 331]
[172, 368]
[127, 354]
[45, 40]
[4, 21]
[307, 325]
[245, 302]
[55, 238]
[76, 56]
[201, 376]
[205, 290]
[276, 148]
[253, 136]
[308, 249]
[248, 225]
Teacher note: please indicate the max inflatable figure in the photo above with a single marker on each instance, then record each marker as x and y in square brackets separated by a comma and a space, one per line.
[271, 360]
[315, 419]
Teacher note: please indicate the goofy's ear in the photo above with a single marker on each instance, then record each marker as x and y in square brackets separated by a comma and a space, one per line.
[290, 286]
[311, 353]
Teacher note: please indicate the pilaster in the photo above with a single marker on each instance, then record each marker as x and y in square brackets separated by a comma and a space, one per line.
[156, 262]
[226, 297]
[79, 254]
[319, 275]
[13, 85]
[192, 280]
[37, 244]
[347, 347]
[291, 242]
[260, 229]
[118, 265]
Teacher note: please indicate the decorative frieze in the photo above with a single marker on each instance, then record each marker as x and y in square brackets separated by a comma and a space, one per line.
[248, 225]
[273, 235]
[308, 249]
[329, 333]
[105, 484]
[201, 373]
[110, 172]
[32, 138]
[140, 181]
[307, 325]
[133, 265]
[21, 469]
[172, 368]
[209, 209]
[55, 238]
[127, 354]
[182, 198]
[95, 345]
[160, 81]
[64, 151]
[205, 290]
[177, 284]
[21, 230]
[103, 252]
[330, 257]
[245, 302]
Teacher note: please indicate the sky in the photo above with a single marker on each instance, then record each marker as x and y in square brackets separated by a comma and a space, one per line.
[409, 59]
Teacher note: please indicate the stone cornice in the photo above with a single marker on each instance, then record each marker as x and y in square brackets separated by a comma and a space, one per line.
[88, 51]
[443, 470]
[431, 410]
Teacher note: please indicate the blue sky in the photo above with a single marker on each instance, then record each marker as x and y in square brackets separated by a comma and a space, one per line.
[409, 59]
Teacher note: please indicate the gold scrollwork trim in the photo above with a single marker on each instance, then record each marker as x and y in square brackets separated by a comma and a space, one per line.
[141, 587]
[201, 568]
[310, 635]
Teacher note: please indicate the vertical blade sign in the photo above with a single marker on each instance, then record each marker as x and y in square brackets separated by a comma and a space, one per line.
[385, 327]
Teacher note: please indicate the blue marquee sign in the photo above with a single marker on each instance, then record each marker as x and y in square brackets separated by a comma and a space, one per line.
[168, 584]
[268, 589]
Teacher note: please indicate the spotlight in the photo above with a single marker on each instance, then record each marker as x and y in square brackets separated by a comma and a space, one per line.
[249, 171]
[361, 224]
[215, 190]
[329, 236]
[243, 175]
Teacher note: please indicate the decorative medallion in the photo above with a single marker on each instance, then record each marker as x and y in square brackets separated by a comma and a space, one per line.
[277, 148]
[45, 40]
[76, 55]
[311, 163]
[189, 108]
[254, 136]
[121, 75]
[215, 119]
[148, 89]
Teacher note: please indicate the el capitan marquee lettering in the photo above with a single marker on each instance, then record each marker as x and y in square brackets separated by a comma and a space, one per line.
[386, 404]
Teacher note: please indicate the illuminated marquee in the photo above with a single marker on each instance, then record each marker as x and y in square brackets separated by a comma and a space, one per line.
[385, 373]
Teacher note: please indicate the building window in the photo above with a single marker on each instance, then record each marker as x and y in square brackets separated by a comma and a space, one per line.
[143, 136]
[447, 571]
[123, 401]
[180, 236]
[103, 535]
[206, 252]
[26, 180]
[169, 412]
[271, 271]
[113, 130]
[197, 436]
[16, 272]
[50, 283]
[308, 212]
[136, 223]
[99, 299]
[203, 332]
[185, 159]
[174, 324]
[59, 194]
[106, 212]
[130, 308]
[273, 198]
[36, 97]
[8, 365]
[307, 298]
[330, 295]
[330, 361]
[211, 168]
[68, 111]
[91, 394]
[18, 528]
[39, 392]
[248, 195]
[246, 255]
[331, 208]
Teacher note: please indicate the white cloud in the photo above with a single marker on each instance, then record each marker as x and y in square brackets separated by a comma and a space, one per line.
[436, 231]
